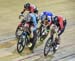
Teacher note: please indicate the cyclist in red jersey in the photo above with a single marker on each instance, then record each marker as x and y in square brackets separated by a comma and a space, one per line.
[60, 22]
[31, 8]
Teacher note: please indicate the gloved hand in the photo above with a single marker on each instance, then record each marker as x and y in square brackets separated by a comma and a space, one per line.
[21, 15]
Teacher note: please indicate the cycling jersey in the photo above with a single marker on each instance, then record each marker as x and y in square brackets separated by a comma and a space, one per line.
[60, 20]
[33, 20]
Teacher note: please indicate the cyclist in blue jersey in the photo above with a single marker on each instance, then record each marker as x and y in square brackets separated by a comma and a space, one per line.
[31, 22]
[45, 18]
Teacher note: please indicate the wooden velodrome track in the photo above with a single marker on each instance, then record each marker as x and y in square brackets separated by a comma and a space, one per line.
[9, 12]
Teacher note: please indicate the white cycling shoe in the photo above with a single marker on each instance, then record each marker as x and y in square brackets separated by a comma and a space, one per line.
[57, 46]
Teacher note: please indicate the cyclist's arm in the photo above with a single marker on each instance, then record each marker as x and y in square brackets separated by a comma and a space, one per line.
[23, 11]
[48, 24]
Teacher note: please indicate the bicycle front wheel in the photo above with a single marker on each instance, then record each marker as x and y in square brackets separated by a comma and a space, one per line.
[21, 43]
[48, 47]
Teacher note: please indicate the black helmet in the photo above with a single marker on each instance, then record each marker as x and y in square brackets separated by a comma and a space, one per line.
[36, 11]
[55, 20]
[27, 5]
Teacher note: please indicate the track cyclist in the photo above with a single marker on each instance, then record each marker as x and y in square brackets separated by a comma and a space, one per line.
[60, 22]
[45, 18]
[31, 21]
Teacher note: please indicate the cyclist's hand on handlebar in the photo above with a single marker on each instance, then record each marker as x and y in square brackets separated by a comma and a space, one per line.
[21, 15]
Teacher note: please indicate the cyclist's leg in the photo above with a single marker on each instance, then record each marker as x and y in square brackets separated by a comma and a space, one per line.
[57, 39]
[54, 30]
[31, 35]
[33, 28]
[34, 39]
[34, 25]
